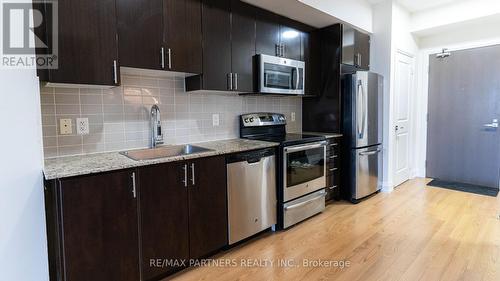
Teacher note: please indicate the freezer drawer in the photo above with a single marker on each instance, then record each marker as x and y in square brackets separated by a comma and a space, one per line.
[304, 207]
[251, 188]
[368, 167]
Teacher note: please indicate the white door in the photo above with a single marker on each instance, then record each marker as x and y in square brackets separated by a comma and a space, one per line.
[402, 95]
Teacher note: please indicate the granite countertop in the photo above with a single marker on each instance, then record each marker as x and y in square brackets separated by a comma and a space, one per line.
[327, 135]
[70, 166]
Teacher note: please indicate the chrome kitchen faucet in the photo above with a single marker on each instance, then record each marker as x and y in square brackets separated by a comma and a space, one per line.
[156, 133]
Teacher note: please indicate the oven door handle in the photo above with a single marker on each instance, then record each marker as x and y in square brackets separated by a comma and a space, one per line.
[323, 194]
[305, 147]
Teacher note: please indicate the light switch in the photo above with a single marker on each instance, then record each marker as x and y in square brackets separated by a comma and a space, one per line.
[65, 127]
[293, 116]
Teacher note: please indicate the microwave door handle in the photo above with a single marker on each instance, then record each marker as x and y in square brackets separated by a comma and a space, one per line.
[297, 78]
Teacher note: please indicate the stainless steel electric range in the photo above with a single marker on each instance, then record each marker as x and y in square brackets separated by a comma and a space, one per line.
[301, 164]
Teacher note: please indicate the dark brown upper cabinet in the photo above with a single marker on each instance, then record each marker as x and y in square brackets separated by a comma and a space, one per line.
[160, 34]
[268, 33]
[96, 221]
[182, 35]
[87, 45]
[228, 47]
[140, 33]
[278, 36]
[164, 217]
[355, 48]
[242, 45]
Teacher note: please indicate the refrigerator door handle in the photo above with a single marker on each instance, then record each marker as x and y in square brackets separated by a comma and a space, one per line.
[362, 102]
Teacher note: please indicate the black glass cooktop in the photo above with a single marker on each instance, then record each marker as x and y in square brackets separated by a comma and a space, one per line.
[289, 139]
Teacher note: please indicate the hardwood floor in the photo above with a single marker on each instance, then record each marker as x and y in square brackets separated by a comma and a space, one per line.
[413, 233]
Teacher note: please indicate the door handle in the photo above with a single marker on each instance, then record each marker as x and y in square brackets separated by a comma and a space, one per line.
[134, 192]
[493, 124]
[305, 202]
[115, 72]
[185, 175]
[162, 53]
[169, 58]
[192, 174]
[235, 83]
[229, 81]
[370, 152]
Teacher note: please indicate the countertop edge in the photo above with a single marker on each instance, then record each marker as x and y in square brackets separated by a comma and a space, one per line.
[127, 163]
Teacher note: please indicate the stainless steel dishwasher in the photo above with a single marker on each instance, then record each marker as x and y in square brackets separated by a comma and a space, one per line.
[251, 190]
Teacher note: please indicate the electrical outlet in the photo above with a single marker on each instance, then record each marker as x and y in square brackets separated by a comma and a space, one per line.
[82, 126]
[293, 116]
[215, 120]
[65, 127]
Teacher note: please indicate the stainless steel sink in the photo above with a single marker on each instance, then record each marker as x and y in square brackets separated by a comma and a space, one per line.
[163, 151]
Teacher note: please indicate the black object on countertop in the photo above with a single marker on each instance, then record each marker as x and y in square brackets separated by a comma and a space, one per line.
[470, 188]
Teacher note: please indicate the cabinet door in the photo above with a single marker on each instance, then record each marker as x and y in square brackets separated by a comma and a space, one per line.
[267, 33]
[216, 44]
[290, 38]
[182, 33]
[207, 206]
[87, 43]
[164, 216]
[99, 227]
[362, 50]
[140, 33]
[243, 45]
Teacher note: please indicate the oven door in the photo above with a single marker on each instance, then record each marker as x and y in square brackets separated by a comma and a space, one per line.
[304, 169]
[281, 76]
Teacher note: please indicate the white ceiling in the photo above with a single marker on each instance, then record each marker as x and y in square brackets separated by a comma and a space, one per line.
[420, 5]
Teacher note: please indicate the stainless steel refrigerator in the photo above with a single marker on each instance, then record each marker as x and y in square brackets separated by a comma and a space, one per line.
[362, 111]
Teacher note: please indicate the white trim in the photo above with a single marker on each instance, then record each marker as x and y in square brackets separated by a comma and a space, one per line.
[422, 96]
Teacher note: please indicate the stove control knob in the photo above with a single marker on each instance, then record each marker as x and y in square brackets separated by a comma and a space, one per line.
[251, 119]
[246, 120]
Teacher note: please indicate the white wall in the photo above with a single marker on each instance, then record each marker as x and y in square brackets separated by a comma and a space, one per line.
[23, 242]
[424, 21]
[380, 62]
[355, 12]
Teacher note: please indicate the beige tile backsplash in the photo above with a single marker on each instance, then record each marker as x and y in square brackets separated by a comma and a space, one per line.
[119, 117]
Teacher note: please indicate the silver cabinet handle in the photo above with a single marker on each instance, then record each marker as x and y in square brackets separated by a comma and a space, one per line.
[298, 79]
[162, 53]
[169, 58]
[278, 50]
[359, 60]
[235, 77]
[134, 192]
[282, 50]
[333, 169]
[192, 174]
[229, 81]
[115, 72]
[334, 156]
[332, 187]
[305, 202]
[370, 152]
[185, 175]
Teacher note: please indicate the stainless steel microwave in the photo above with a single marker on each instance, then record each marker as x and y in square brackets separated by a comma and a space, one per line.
[280, 75]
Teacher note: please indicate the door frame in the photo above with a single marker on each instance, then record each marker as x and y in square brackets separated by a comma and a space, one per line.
[422, 98]
[411, 114]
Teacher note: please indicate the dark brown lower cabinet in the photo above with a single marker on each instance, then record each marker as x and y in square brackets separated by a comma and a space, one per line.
[207, 206]
[164, 218]
[94, 220]
[117, 225]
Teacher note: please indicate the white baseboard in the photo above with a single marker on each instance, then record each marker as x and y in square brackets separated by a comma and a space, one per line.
[387, 187]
